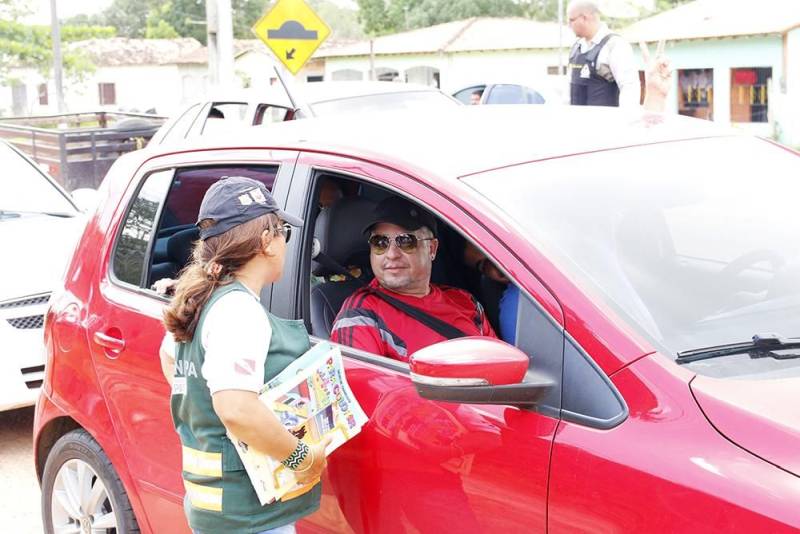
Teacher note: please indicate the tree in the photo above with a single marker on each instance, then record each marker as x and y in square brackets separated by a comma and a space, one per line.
[343, 22]
[379, 17]
[23, 45]
[129, 17]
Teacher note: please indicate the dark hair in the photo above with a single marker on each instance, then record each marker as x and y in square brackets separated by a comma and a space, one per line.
[214, 262]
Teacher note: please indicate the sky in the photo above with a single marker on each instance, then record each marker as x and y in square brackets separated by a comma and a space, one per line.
[68, 8]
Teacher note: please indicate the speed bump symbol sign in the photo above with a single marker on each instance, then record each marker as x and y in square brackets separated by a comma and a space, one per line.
[292, 31]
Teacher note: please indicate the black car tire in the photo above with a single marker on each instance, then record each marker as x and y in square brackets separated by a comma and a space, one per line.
[79, 446]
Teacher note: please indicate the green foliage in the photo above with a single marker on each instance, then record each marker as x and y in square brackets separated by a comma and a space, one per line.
[158, 19]
[32, 46]
[379, 17]
[160, 29]
[343, 22]
[82, 33]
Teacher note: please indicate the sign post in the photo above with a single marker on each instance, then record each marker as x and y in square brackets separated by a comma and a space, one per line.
[292, 31]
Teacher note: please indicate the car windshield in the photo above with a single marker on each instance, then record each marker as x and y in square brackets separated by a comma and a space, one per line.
[24, 189]
[696, 243]
[400, 101]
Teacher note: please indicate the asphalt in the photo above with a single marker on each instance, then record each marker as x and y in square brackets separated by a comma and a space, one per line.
[20, 496]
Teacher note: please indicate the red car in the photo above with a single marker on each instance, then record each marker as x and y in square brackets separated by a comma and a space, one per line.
[656, 266]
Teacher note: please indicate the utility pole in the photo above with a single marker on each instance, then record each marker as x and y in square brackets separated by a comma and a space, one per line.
[219, 28]
[58, 70]
[560, 37]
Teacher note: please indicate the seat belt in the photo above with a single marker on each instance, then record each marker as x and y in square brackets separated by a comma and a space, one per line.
[437, 325]
[434, 323]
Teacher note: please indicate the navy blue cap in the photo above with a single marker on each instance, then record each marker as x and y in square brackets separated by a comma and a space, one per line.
[234, 200]
[396, 210]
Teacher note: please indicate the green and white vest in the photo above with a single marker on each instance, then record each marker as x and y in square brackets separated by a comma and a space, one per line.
[219, 496]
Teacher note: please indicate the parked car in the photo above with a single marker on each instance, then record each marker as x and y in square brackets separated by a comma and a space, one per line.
[647, 251]
[39, 224]
[504, 93]
[254, 107]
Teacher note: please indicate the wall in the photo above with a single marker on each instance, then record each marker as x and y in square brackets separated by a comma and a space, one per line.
[722, 55]
[458, 70]
[789, 120]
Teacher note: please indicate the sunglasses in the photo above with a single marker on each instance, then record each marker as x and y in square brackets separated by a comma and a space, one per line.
[285, 230]
[406, 242]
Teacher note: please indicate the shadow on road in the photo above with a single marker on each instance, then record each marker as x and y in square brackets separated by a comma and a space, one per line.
[19, 489]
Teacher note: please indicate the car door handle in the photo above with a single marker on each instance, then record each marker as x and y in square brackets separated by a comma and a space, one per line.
[114, 344]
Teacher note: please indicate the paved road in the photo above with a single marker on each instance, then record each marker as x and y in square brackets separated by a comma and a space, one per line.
[19, 490]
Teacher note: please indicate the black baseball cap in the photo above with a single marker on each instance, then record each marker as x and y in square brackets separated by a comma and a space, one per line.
[234, 200]
[396, 210]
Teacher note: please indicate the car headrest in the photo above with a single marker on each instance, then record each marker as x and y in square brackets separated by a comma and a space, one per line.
[338, 230]
[180, 244]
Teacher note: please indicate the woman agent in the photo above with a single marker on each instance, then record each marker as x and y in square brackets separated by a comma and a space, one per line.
[226, 346]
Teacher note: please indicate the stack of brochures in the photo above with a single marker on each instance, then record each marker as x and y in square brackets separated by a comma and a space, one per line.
[312, 399]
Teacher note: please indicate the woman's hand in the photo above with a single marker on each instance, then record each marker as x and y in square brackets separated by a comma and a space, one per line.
[306, 473]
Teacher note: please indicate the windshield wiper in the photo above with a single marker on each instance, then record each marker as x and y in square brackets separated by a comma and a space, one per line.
[762, 346]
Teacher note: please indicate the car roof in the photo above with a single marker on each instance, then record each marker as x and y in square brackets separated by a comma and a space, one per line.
[453, 142]
[324, 91]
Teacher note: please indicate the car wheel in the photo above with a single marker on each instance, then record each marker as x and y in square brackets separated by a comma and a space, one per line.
[81, 492]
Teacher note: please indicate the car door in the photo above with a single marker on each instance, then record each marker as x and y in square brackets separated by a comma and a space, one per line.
[420, 465]
[125, 326]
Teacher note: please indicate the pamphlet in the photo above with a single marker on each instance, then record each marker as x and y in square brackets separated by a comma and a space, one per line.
[312, 399]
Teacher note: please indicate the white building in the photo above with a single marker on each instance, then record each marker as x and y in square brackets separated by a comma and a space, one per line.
[736, 61]
[456, 54]
[130, 75]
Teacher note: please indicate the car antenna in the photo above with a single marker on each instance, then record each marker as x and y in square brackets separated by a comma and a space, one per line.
[298, 104]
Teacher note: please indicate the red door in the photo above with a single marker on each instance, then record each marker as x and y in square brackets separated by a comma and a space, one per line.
[420, 465]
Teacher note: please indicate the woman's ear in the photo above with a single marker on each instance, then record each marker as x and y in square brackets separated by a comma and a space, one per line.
[266, 242]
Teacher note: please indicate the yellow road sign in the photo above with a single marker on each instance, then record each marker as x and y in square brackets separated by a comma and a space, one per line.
[292, 31]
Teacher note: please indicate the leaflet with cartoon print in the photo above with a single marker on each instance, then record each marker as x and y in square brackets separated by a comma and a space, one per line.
[312, 399]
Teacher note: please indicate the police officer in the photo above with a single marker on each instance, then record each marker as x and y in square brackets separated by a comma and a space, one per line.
[602, 67]
[221, 347]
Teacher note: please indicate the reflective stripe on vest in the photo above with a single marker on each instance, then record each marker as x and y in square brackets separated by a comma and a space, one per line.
[203, 497]
[202, 463]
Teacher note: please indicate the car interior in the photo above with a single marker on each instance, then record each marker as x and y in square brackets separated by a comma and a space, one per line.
[340, 255]
[177, 233]
[340, 208]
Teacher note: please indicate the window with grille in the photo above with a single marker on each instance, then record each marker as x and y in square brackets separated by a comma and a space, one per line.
[750, 94]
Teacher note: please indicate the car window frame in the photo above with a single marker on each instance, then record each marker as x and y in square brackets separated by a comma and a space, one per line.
[471, 89]
[226, 157]
[302, 194]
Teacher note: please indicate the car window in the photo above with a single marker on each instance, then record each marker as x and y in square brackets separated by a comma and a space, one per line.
[176, 232]
[23, 187]
[326, 288]
[730, 251]
[533, 97]
[465, 95]
[223, 115]
[267, 114]
[133, 241]
[507, 94]
[180, 127]
[159, 229]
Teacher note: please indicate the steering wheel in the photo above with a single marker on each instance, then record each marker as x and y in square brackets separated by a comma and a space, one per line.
[735, 268]
[730, 273]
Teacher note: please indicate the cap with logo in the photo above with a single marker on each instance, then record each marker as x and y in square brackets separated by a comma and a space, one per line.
[396, 210]
[234, 200]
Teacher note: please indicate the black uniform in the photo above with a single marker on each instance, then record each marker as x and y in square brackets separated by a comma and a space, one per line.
[587, 88]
